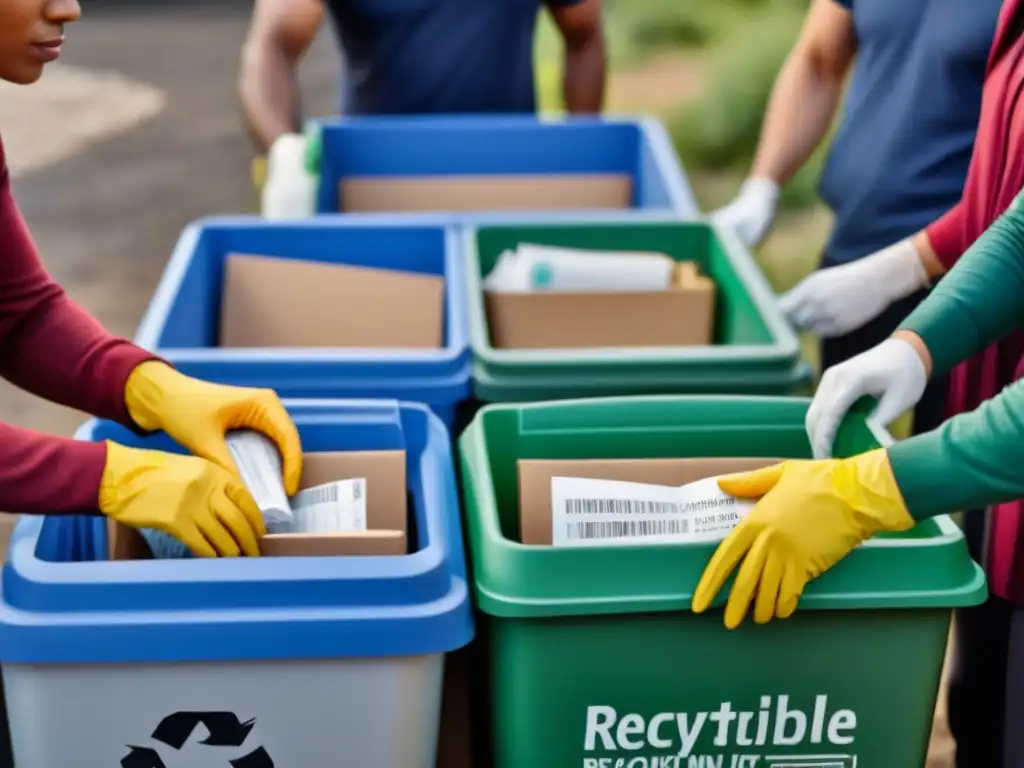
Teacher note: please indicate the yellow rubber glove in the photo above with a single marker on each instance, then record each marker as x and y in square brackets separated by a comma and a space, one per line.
[197, 414]
[811, 514]
[204, 506]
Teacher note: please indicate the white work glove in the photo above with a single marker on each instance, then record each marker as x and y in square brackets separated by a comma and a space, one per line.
[751, 212]
[835, 301]
[290, 189]
[892, 372]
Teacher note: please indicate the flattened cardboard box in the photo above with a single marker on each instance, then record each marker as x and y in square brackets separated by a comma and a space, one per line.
[386, 512]
[535, 481]
[270, 302]
[485, 192]
[681, 316]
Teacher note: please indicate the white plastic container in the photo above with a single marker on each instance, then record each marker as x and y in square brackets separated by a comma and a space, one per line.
[290, 189]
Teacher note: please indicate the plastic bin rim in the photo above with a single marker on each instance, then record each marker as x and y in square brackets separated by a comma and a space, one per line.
[785, 341]
[153, 321]
[495, 602]
[241, 570]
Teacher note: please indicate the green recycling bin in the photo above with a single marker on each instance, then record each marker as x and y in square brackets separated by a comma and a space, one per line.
[754, 350]
[596, 660]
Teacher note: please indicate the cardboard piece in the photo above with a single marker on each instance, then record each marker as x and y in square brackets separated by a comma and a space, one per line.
[535, 481]
[682, 316]
[485, 192]
[268, 302]
[385, 511]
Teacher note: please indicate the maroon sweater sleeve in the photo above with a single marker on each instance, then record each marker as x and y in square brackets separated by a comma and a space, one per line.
[54, 349]
[947, 236]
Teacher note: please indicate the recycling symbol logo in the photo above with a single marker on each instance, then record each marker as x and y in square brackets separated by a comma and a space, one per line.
[225, 730]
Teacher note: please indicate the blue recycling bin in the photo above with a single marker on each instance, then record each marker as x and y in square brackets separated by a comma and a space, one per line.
[181, 323]
[292, 661]
[362, 152]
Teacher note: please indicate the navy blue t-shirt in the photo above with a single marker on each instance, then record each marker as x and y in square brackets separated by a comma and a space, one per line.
[437, 56]
[900, 157]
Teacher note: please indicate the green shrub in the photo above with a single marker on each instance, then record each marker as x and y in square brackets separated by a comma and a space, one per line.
[719, 131]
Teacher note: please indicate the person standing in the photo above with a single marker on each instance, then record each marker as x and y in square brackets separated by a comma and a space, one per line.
[411, 57]
[977, 684]
[898, 160]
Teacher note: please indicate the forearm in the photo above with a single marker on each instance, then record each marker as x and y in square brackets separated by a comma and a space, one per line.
[585, 66]
[805, 89]
[974, 460]
[269, 93]
[41, 474]
[979, 300]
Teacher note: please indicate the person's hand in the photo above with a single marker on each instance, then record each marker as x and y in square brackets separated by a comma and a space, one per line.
[203, 505]
[198, 414]
[810, 515]
[751, 212]
[289, 186]
[835, 301]
[893, 372]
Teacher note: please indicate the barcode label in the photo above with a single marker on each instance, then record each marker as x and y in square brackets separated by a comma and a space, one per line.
[586, 511]
[618, 529]
[321, 494]
[337, 507]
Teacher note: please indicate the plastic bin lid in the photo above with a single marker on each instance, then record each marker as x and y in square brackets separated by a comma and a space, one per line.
[928, 566]
[53, 609]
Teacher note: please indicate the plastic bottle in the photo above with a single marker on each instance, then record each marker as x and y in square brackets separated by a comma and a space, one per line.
[535, 268]
[291, 188]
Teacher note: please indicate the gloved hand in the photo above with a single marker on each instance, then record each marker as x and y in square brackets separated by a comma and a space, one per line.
[194, 500]
[893, 372]
[751, 212]
[835, 301]
[290, 184]
[810, 515]
[197, 414]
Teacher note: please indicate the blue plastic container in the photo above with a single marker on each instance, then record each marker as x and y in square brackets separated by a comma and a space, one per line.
[324, 654]
[505, 145]
[181, 323]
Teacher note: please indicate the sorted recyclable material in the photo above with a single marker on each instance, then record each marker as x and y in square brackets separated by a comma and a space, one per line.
[532, 268]
[543, 297]
[327, 517]
[259, 464]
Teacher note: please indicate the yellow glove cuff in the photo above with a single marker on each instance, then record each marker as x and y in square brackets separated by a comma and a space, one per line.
[868, 487]
[258, 169]
[144, 392]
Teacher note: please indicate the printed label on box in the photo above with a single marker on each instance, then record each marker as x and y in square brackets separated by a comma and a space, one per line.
[338, 507]
[601, 512]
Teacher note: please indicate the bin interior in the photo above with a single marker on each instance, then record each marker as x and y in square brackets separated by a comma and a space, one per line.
[265, 607]
[928, 563]
[466, 146]
[188, 317]
[738, 318]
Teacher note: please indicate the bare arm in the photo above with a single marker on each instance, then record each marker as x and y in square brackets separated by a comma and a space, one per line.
[807, 92]
[280, 33]
[582, 29]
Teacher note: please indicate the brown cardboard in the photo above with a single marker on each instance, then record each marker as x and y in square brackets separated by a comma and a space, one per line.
[373, 542]
[535, 481]
[485, 193]
[385, 511]
[270, 302]
[681, 316]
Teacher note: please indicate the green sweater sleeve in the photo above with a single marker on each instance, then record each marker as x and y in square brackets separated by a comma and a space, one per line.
[973, 460]
[980, 300]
